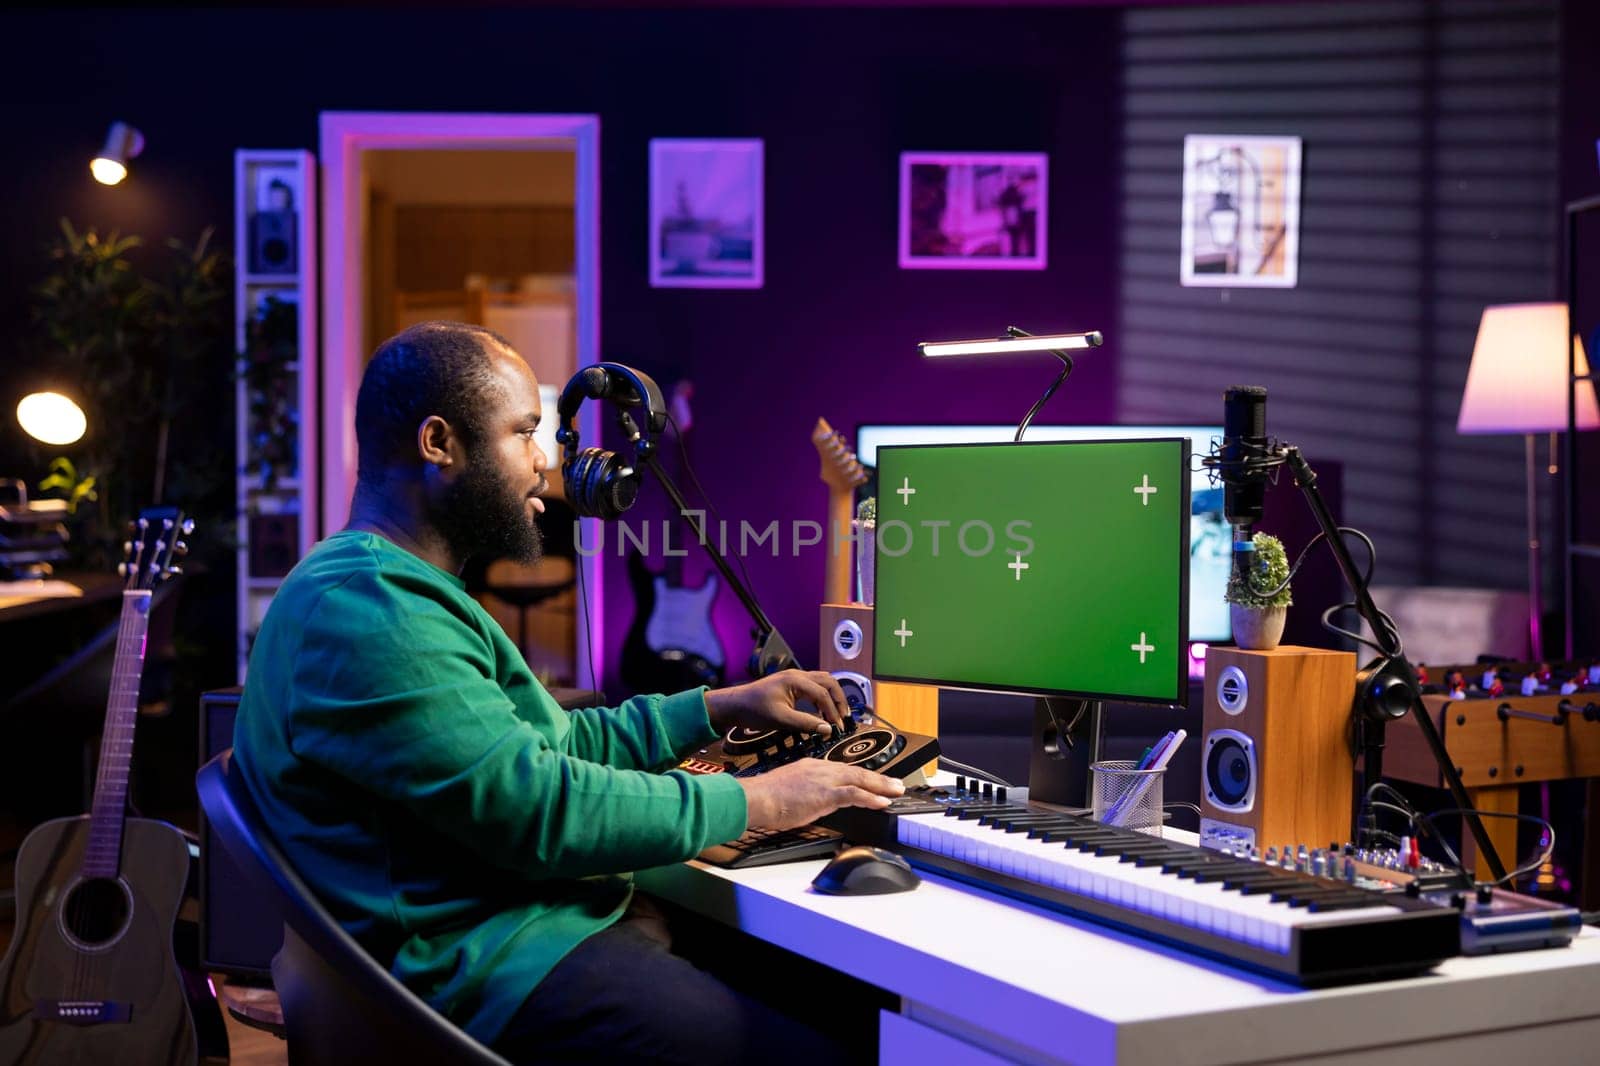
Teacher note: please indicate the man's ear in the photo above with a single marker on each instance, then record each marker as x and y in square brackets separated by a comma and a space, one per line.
[437, 442]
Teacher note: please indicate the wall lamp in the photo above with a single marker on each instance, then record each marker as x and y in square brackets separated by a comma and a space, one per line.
[123, 142]
[1017, 342]
[51, 418]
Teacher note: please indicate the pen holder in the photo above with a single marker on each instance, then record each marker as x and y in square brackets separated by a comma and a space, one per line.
[1124, 795]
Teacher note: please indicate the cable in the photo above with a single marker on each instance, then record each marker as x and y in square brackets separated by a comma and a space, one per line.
[588, 637]
[945, 760]
[1372, 560]
[1064, 732]
[1083, 709]
[1409, 814]
[1455, 860]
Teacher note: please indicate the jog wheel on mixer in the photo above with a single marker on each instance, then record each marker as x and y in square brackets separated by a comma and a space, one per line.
[868, 748]
[744, 740]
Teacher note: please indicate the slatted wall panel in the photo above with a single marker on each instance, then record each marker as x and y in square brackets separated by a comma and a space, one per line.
[1429, 190]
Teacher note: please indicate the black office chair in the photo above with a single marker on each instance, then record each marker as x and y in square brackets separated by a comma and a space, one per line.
[339, 1005]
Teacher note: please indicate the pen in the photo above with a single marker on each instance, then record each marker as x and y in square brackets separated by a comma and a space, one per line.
[1130, 801]
[1153, 751]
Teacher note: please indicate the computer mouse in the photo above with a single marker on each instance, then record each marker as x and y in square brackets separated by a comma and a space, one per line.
[864, 871]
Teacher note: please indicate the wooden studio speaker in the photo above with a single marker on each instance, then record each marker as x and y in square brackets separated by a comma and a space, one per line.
[1275, 766]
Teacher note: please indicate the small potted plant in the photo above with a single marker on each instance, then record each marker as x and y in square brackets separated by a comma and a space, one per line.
[1258, 619]
[866, 537]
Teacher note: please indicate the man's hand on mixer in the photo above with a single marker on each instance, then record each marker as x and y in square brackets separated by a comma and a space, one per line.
[806, 789]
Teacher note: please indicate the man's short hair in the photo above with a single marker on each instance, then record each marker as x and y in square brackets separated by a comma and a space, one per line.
[432, 368]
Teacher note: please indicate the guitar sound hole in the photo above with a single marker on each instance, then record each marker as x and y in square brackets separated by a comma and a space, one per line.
[95, 911]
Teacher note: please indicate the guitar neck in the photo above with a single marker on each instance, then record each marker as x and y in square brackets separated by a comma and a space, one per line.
[836, 573]
[102, 855]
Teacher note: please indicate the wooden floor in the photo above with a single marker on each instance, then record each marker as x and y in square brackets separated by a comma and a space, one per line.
[252, 1047]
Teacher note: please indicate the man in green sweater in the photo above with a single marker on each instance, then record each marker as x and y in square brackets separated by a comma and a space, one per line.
[474, 836]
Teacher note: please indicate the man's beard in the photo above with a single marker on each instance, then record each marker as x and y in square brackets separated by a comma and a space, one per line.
[483, 516]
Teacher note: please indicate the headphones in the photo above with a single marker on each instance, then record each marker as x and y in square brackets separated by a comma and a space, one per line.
[599, 484]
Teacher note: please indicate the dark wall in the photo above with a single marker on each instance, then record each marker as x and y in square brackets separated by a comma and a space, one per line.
[835, 94]
[1580, 180]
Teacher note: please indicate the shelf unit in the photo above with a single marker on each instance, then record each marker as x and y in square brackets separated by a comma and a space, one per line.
[276, 324]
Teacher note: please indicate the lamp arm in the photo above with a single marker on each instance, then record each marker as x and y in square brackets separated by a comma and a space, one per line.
[1066, 369]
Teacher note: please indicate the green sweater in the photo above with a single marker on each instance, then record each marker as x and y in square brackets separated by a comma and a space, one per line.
[467, 830]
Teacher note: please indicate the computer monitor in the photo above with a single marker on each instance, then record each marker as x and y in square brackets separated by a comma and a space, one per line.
[1210, 538]
[1056, 568]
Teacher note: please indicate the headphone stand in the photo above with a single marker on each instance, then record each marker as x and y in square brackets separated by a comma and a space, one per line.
[772, 653]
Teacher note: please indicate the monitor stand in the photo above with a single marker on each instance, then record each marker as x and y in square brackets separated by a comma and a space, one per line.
[1058, 772]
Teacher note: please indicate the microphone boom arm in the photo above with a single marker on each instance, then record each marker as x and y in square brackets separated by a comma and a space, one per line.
[772, 652]
[1373, 726]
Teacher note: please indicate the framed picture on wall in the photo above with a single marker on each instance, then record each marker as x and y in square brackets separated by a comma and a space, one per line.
[706, 214]
[1241, 210]
[973, 211]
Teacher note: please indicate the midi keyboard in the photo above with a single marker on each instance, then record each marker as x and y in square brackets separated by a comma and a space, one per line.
[1302, 928]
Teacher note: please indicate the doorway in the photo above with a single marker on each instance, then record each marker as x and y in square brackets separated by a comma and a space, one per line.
[491, 219]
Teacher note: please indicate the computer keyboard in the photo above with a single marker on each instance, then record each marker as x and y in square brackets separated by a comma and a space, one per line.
[764, 847]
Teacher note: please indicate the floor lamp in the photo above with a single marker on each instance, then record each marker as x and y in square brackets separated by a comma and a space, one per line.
[1518, 383]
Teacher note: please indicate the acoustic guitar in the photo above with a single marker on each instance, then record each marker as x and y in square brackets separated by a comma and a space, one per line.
[841, 472]
[91, 976]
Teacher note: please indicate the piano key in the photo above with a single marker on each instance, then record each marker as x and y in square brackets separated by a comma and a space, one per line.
[1256, 919]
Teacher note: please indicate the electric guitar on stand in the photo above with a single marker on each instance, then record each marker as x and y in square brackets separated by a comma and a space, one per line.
[91, 976]
[841, 472]
[910, 707]
[672, 644]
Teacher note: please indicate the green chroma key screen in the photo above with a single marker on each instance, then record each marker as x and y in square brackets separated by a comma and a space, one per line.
[1059, 567]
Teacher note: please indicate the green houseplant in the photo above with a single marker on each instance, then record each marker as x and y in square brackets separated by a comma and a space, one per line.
[142, 338]
[1258, 619]
[866, 537]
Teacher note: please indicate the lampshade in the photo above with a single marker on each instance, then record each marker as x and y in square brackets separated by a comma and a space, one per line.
[123, 142]
[51, 418]
[1518, 380]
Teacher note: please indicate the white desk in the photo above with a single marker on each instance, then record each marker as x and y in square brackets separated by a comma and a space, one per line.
[985, 980]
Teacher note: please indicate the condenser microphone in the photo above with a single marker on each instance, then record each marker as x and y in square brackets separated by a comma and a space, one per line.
[1244, 468]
